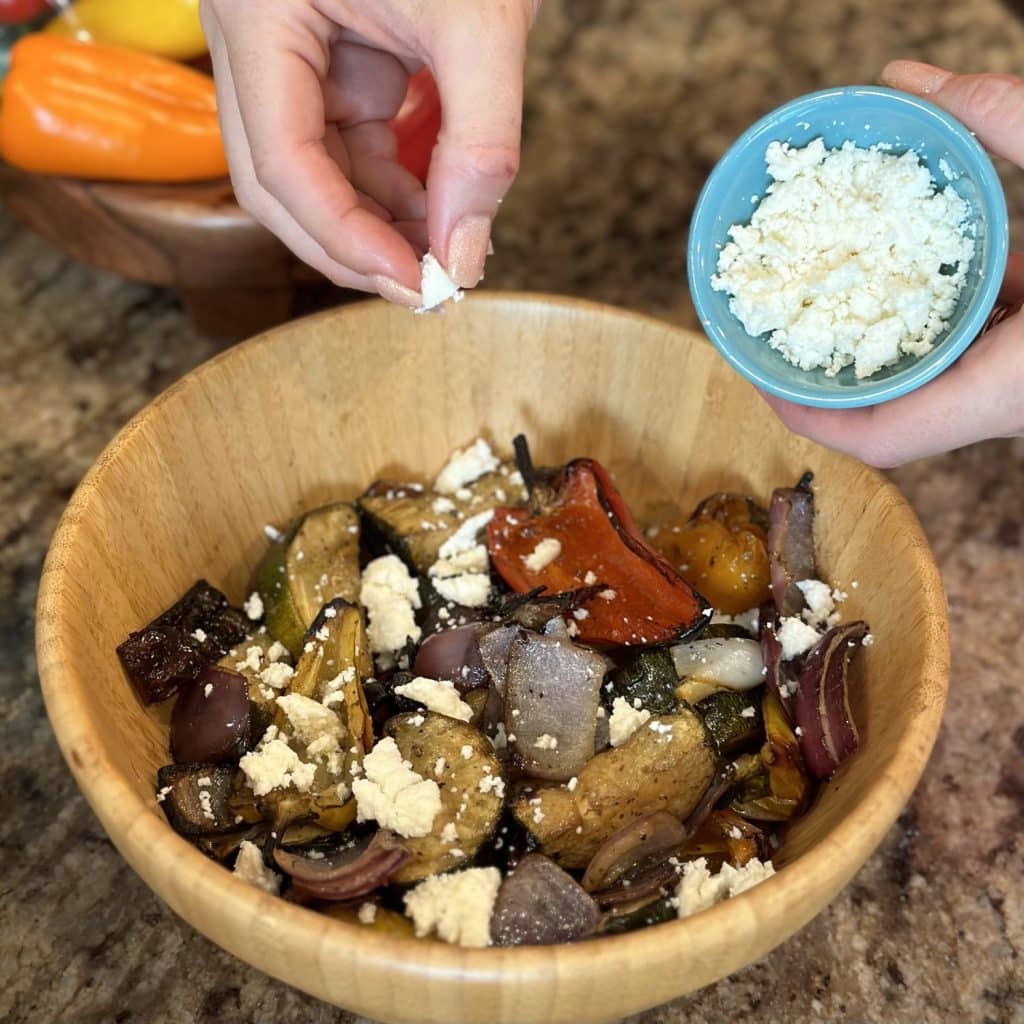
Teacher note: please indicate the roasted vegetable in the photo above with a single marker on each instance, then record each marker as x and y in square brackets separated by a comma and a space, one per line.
[821, 706]
[539, 904]
[86, 110]
[415, 522]
[453, 654]
[639, 844]
[629, 918]
[383, 921]
[316, 561]
[725, 836]
[733, 719]
[211, 722]
[664, 767]
[721, 551]
[578, 533]
[349, 873]
[735, 663]
[196, 798]
[535, 609]
[250, 658]
[470, 803]
[552, 696]
[649, 677]
[174, 647]
[791, 544]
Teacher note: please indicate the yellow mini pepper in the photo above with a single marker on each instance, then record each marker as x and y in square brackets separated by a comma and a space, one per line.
[91, 111]
[168, 28]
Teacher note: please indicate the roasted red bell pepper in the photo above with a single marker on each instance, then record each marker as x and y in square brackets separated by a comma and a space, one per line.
[644, 600]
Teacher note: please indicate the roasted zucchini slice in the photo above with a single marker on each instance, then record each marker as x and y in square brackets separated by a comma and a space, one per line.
[415, 523]
[664, 766]
[651, 678]
[460, 760]
[316, 561]
[733, 719]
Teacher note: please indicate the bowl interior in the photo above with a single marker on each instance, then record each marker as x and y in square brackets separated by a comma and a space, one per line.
[318, 408]
[867, 116]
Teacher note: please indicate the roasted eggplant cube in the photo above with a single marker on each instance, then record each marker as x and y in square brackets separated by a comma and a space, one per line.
[176, 645]
[197, 798]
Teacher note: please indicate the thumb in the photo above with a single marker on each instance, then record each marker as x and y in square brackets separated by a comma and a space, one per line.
[478, 64]
[991, 105]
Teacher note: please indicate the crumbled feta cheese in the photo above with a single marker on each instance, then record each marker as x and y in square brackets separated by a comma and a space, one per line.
[199, 634]
[735, 833]
[207, 689]
[390, 596]
[624, 721]
[748, 712]
[276, 651]
[820, 610]
[471, 589]
[272, 533]
[253, 606]
[456, 906]
[249, 867]
[437, 695]
[853, 256]
[796, 637]
[449, 834]
[580, 614]
[543, 554]
[699, 889]
[465, 537]
[442, 506]
[572, 784]
[367, 913]
[253, 659]
[393, 795]
[465, 466]
[436, 287]
[869, 639]
[466, 751]
[546, 742]
[274, 765]
[590, 579]
[309, 719]
[277, 675]
[607, 595]
[492, 784]
[439, 766]
[161, 794]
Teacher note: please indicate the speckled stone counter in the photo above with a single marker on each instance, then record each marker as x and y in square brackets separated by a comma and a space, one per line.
[629, 103]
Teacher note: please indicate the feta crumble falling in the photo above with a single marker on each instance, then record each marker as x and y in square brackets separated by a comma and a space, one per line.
[852, 257]
[436, 287]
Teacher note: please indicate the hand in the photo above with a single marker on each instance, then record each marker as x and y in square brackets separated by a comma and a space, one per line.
[982, 394]
[305, 89]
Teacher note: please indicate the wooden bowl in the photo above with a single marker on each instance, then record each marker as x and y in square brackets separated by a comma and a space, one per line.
[316, 409]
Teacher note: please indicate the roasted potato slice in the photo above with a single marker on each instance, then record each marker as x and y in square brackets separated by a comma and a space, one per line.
[471, 812]
[387, 922]
[665, 765]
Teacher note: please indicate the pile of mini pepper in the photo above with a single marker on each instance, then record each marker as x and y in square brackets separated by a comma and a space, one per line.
[102, 89]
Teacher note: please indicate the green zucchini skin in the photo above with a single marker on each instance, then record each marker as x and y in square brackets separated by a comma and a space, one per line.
[722, 712]
[650, 677]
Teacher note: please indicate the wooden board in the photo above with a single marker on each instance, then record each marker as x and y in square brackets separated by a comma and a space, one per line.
[234, 276]
[313, 411]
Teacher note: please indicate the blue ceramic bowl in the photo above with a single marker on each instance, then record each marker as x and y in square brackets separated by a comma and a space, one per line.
[866, 115]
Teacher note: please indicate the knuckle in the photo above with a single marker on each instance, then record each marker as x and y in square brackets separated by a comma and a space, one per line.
[992, 96]
[498, 162]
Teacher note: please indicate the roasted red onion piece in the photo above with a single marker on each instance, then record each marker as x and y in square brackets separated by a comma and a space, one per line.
[639, 843]
[777, 676]
[494, 648]
[552, 695]
[539, 904]
[453, 655]
[350, 873]
[211, 722]
[821, 710]
[791, 544]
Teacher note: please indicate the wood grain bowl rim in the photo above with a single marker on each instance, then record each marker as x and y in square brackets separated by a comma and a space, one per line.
[755, 922]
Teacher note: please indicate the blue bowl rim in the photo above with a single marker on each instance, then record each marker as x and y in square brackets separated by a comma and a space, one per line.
[954, 344]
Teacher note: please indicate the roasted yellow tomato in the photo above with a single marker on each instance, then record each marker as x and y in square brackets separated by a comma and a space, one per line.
[721, 552]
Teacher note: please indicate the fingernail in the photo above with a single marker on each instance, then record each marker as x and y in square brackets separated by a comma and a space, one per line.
[914, 76]
[388, 288]
[467, 250]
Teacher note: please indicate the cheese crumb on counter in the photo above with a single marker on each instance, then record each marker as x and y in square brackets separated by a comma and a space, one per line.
[543, 554]
[437, 695]
[393, 795]
[457, 907]
[625, 720]
[390, 596]
[436, 287]
[465, 466]
[249, 867]
[852, 257]
[699, 889]
[796, 637]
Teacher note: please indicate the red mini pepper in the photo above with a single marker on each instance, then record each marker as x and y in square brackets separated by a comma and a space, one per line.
[644, 601]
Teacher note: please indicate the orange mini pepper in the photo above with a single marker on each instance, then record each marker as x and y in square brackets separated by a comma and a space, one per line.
[96, 111]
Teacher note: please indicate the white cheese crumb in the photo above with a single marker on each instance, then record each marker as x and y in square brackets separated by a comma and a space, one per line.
[465, 466]
[699, 889]
[842, 261]
[390, 596]
[607, 595]
[868, 640]
[161, 794]
[277, 675]
[624, 721]
[590, 579]
[367, 913]
[748, 712]
[471, 589]
[492, 784]
[437, 695]
[543, 554]
[249, 867]
[199, 634]
[442, 506]
[393, 795]
[466, 751]
[572, 784]
[821, 607]
[465, 537]
[580, 614]
[309, 719]
[449, 834]
[436, 287]
[276, 651]
[735, 833]
[456, 906]
[272, 533]
[796, 637]
[207, 689]
[253, 606]
[253, 659]
[546, 742]
[274, 765]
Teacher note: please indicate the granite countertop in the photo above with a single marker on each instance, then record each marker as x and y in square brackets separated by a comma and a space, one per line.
[629, 103]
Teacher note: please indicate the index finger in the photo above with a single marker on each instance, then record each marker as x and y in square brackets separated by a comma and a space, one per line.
[281, 102]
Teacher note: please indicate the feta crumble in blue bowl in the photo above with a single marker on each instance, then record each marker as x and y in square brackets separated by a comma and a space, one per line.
[741, 297]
